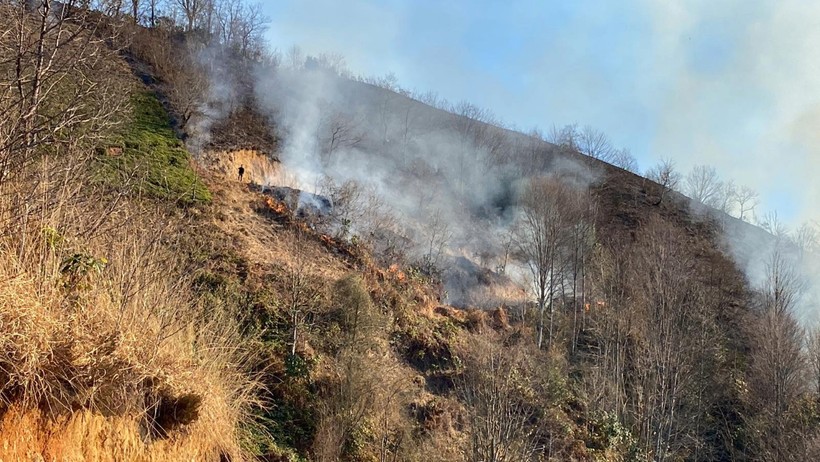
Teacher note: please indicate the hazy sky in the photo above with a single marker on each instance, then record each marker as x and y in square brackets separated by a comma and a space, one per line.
[733, 84]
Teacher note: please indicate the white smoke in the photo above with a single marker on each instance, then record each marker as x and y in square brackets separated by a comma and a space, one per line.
[447, 179]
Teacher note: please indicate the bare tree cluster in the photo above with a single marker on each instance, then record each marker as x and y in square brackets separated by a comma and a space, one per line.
[503, 419]
[779, 365]
[703, 185]
[554, 236]
[652, 345]
[593, 143]
[234, 24]
[60, 87]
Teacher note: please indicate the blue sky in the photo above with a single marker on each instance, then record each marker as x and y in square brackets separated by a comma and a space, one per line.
[732, 84]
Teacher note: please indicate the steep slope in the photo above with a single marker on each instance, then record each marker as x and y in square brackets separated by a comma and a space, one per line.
[155, 306]
[654, 288]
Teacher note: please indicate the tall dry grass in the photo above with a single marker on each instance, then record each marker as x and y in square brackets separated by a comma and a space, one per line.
[105, 354]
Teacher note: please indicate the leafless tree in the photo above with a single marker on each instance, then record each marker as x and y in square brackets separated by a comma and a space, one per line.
[59, 85]
[333, 63]
[540, 234]
[566, 136]
[153, 9]
[349, 397]
[338, 130]
[703, 185]
[807, 238]
[747, 199]
[725, 198]
[778, 364]
[666, 176]
[577, 252]
[472, 125]
[502, 425]
[624, 159]
[436, 236]
[813, 352]
[674, 320]
[301, 301]
[409, 126]
[772, 223]
[240, 27]
[294, 58]
[594, 143]
[192, 11]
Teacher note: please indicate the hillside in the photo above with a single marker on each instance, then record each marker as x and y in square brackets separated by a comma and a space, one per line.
[388, 280]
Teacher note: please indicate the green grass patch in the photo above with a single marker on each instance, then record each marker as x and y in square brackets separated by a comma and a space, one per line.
[147, 157]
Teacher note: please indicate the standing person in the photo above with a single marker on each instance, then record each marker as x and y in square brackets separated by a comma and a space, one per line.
[241, 172]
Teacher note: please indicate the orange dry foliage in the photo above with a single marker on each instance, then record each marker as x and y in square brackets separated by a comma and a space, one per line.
[327, 240]
[397, 273]
[89, 436]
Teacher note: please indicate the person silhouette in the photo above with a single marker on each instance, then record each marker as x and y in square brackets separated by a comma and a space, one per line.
[241, 172]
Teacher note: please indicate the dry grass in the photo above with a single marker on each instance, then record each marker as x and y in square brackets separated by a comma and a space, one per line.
[104, 353]
[258, 239]
[260, 168]
[89, 436]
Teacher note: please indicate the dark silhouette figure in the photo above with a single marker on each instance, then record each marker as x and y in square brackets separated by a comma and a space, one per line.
[241, 172]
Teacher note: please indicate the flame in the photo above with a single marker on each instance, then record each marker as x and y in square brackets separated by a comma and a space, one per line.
[397, 272]
[276, 206]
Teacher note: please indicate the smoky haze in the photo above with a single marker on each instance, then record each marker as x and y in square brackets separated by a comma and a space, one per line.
[438, 181]
[443, 182]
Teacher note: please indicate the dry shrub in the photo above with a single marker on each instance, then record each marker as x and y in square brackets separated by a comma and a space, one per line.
[103, 344]
[477, 320]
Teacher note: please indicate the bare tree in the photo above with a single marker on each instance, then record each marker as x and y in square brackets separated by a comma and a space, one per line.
[566, 136]
[813, 352]
[624, 159]
[540, 234]
[725, 198]
[192, 11]
[348, 398]
[338, 130]
[747, 199]
[294, 58]
[301, 300]
[472, 125]
[807, 238]
[666, 176]
[772, 223]
[594, 143]
[409, 126]
[674, 321]
[703, 185]
[240, 27]
[577, 253]
[502, 423]
[777, 363]
[436, 235]
[59, 85]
